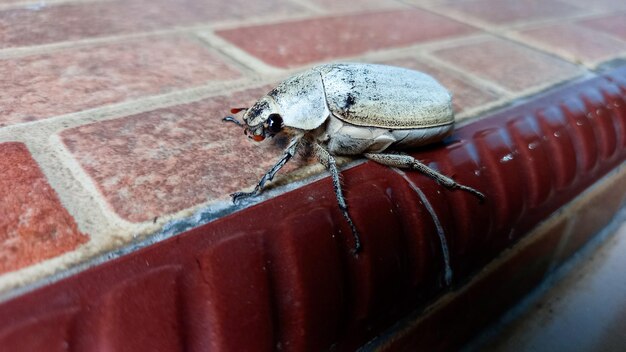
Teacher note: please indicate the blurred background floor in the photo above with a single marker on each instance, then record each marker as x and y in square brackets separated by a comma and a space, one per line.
[581, 308]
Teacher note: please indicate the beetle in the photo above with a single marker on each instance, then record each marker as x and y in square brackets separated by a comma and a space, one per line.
[353, 109]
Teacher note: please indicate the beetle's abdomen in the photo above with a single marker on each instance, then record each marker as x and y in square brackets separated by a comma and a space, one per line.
[385, 96]
[348, 139]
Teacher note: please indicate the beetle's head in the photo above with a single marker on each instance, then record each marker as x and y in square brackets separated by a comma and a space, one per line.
[263, 119]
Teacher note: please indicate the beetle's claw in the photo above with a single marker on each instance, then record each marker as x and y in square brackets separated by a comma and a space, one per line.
[357, 249]
[481, 197]
[238, 196]
[233, 120]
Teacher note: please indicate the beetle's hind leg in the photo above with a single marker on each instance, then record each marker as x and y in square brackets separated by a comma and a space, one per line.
[269, 175]
[404, 161]
[329, 162]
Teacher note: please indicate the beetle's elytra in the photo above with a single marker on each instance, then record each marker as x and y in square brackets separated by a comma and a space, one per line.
[353, 109]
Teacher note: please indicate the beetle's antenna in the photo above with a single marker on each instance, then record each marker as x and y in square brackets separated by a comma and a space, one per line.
[233, 120]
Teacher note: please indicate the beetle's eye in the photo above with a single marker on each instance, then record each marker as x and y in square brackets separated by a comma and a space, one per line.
[274, 123]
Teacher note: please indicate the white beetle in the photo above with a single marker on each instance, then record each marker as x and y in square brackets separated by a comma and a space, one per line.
[353, 109]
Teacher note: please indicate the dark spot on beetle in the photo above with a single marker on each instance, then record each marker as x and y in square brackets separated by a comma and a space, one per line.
[348, 104]
[350, 101]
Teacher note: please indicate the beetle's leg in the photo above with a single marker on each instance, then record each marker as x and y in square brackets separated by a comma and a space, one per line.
[329, 162]
[269, 175]
[408, 162]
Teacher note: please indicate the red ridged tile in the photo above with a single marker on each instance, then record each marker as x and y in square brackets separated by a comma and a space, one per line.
[505, 187]
[583, 136]
[50, 331]
[602, 122]
[614, 101]
[473, 226]
[463, 315]
[235, 268]
[298, 244]
[141, 312]
[34, 225]
[308, 281]
[281, 44]
[534, 155]
[560, 146]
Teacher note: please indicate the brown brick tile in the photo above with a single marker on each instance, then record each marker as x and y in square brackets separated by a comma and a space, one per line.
[614, 25]
[509, 65]
[576, 42]
[40, 86]
[169, 159]
[283, 44]
[466, 95]
[506, 12]
[22, 27]
[34, 226]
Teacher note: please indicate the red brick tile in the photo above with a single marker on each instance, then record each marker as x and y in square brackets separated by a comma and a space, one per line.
[283, 44]
[466, 95]
[506, 12]
[511, 66]
[41, 86]
[169, 159]
[614, 25]
[34, 226]
[576, 42]
[20, 27]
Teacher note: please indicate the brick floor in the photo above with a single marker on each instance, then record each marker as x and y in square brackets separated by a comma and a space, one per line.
[514, 67]
[330, 38]
[72, 21]
[166, 160]
[507, 12]
[576, 43]
[120, 102]
[45, 85]
[466, 94]
[613, 25]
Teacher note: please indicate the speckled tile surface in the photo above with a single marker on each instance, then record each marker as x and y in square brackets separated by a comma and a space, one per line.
[34, 225]
[45, 85]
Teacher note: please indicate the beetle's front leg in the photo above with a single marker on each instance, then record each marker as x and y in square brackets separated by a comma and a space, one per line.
[408, 162]
[269, 175]
[329, 162]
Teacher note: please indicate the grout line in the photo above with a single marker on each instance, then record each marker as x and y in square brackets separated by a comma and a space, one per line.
[23, 131]
[35, 5]
[467, 18]
[504, 31]
[428, 57]
[237, 54]
[314, 8]
[21, 51]
[563, 53]
[16, 52]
